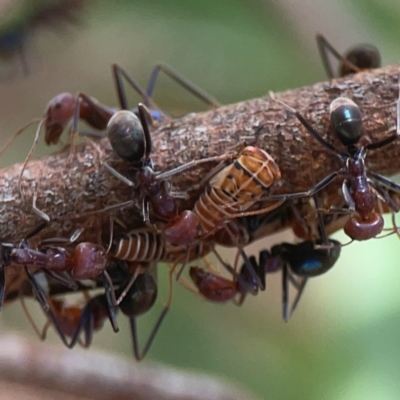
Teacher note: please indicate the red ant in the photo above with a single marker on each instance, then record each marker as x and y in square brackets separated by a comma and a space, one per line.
[360, 185]
[356, 59]
[71, 320]
[136, 298]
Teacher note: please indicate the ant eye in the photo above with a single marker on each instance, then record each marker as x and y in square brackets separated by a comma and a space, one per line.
[126, 136]
[346, 119]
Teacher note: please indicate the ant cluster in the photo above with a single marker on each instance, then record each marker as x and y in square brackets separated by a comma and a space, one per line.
[236, 200]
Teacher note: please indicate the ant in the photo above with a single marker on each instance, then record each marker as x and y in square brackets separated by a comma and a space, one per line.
[73, 319]
[230, 191]
[139, 299]
[295, 260]
[65, 110]
[136, 298]
[360, 186]
[298, 262]
[130, 139]
[356, 59]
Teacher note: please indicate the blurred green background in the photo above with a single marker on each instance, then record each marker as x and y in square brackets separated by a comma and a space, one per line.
[343, 342]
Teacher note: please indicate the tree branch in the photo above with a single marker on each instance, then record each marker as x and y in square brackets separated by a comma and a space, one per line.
[50, 372]
[73, 190]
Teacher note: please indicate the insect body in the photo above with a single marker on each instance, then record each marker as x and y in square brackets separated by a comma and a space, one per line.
[360, 186]
[87, 261]
[229, 194]
[356, 59]
[131, 140]
[66, 109]
[147, 246]
[301, 260]
[71, 320]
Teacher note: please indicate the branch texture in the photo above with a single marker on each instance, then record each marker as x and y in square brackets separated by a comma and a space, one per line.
[74, 188]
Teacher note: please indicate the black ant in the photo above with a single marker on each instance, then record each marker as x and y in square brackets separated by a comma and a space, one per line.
[356, 59]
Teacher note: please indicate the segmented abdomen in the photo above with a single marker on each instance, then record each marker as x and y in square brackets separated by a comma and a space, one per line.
[237, 187]
[141, 246]
[147, 246]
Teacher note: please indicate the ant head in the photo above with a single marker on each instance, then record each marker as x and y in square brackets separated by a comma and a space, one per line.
[213, 287]
[90, 260]
[364, 56]
[126, 136]
[58, 115]
[346, 120]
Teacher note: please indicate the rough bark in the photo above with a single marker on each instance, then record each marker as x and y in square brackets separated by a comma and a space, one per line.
[73, 189]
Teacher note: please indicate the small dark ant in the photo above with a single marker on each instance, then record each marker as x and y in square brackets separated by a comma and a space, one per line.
[360, 185]
[356, 59]
[139, 299]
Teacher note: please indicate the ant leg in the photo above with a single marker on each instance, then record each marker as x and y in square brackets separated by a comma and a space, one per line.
[37, 211]
[319, 186]
[139, 355]
[285, 292]
[300, 290]
[63, 278]
[384, 195]
[31, 151]
[193, 163]
[117, 175]
[306, 124]
[118, 73]
[324, 46]
[17, 133]
[385, 181]
[41, 297]
[110, 295]
[390, 139]
[145, 117]
[180, 80]
[41, 335]
[86, 323]
[114, 300]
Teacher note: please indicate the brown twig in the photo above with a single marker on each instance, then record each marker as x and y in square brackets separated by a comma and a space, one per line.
[71, 191]
[50, 372]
